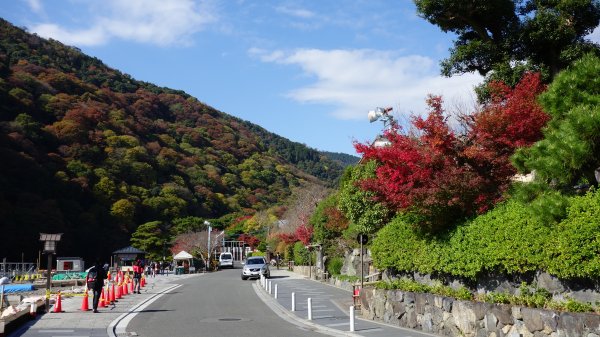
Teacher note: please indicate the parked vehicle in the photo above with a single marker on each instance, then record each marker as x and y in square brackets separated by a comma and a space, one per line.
[225, 260]
[255, 266]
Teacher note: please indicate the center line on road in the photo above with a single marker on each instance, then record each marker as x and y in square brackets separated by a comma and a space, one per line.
[55, 331]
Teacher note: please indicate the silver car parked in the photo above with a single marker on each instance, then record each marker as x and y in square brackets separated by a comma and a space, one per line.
[254, 266]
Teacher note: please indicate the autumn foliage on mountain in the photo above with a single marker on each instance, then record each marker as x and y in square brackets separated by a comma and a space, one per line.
[441, 176]
[90, 152]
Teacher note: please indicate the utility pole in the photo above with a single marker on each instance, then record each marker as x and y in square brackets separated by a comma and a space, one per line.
[209, 253]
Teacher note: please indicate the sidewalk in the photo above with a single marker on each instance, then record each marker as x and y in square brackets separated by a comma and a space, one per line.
[109, 321]
[330, 307]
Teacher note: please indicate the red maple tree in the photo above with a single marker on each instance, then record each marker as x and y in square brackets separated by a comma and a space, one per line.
[250, 240]
[304, 233]
[441, 176]
[287, 237]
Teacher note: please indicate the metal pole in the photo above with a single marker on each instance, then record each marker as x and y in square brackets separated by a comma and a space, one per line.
[309, 265]
[310, 309]
[362, 266]
[209, 255]
[48, 281]
[275, 290]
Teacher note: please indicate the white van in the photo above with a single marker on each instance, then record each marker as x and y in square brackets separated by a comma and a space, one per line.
[225, 260]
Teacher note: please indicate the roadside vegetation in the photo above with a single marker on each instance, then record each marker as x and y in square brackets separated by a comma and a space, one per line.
[527, 296]
[509, 188]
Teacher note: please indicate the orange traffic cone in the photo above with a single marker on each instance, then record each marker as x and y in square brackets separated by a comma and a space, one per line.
[131, 287]
[111, 293]
[85, 304]
[58, 304]
[142, 282]
[124, 288]
[102, 301]
[118, 291]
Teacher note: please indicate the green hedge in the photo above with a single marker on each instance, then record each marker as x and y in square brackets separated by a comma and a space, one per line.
[507, 240]
[301, 254]
[334, 265]
[574, 250]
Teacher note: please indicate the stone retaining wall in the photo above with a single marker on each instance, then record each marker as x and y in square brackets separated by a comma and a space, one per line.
[450, 317]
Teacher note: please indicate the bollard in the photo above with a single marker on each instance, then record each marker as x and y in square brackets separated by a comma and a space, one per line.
[269, 287]
[310, 309]
[275, 290]
[33, 309]
[293, 301]
[351, 318]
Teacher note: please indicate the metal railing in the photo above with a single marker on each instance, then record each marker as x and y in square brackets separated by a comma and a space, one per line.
[16, 269]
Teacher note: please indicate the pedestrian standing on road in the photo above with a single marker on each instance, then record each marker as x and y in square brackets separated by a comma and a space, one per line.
[138, 269]
[95, 282]
[155, 269]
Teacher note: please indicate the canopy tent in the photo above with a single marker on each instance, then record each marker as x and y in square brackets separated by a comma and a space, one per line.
[184, 261]
[183, 255]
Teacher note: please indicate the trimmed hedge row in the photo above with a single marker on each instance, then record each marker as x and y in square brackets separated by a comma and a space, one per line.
[507, 239]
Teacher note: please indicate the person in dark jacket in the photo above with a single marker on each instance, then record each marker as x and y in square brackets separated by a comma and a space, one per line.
[95, 282]
[138, 269]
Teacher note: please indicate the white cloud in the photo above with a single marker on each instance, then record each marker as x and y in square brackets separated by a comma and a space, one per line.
[355, 81]
[147, 21]
[88, 37]
[296, 12]
[35, 5]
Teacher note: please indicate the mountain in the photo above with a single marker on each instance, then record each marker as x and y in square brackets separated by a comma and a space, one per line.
[90, 152]
[343, 158]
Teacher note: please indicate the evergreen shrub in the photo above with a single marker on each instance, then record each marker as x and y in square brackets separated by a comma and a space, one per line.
[334, 265]
[301, 254]
[505, 240]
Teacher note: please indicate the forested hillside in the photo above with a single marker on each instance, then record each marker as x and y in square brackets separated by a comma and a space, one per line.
[88, 151]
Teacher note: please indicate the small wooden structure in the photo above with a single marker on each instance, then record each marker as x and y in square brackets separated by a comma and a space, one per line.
[69, 264]
[124, 258]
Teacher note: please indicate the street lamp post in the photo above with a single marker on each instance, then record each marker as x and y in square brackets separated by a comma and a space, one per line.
[162, 266]
[50, 241]
[208, 253]
[362, 239]
[382, 114]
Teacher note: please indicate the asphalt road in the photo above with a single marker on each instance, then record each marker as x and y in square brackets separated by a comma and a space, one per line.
[212, 305]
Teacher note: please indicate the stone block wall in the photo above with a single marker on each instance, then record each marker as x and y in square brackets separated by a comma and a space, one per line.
[450, 317]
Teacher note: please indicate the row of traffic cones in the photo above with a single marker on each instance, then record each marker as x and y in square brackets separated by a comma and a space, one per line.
[113, 294]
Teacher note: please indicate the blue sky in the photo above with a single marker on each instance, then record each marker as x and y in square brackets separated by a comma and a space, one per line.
[306, 70]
